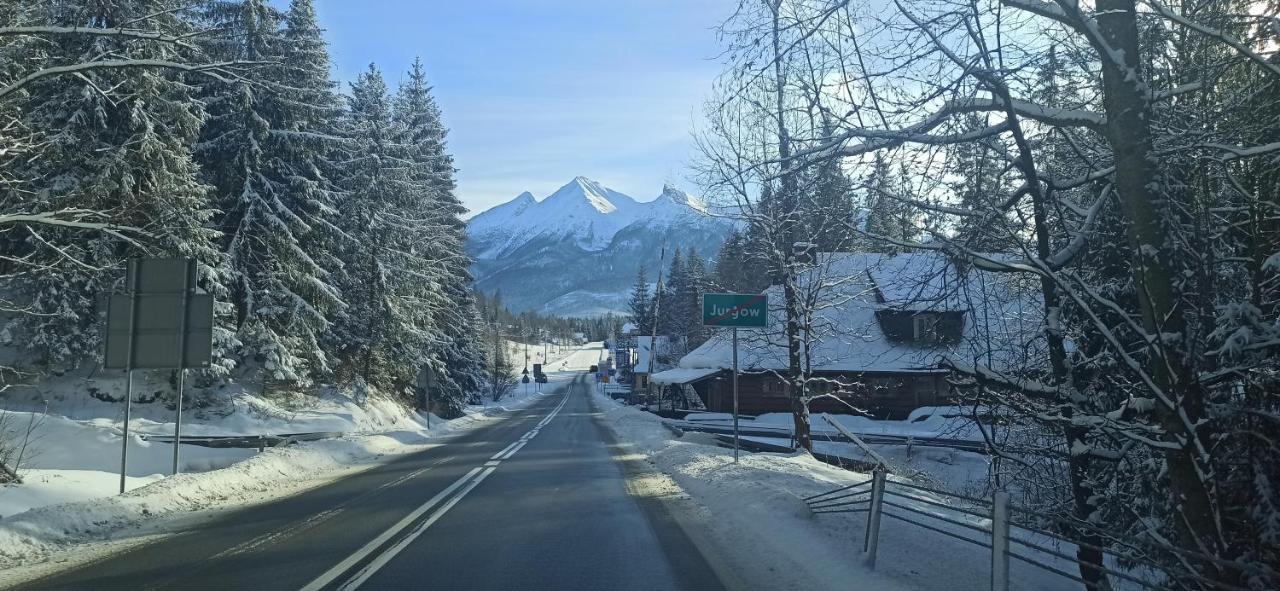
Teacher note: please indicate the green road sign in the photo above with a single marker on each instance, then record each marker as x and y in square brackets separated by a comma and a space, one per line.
[742, 310]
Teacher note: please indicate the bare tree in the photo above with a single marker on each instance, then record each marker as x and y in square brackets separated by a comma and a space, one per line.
[1136, 205]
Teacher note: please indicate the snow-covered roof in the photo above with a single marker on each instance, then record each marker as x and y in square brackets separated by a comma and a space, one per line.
[630, 328]
[683, 375]
[1001, 319]
[642, 353]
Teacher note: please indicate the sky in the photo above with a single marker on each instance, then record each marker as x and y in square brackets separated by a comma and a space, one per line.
[536, 92]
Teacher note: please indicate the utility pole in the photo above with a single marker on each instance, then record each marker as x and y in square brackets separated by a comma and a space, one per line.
[653, 337]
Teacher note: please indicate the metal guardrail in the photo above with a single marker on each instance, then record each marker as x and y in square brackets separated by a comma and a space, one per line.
[996, 520]
[260, 442]
[785, 433]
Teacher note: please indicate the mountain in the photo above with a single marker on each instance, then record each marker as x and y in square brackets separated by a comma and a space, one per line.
[576, 252]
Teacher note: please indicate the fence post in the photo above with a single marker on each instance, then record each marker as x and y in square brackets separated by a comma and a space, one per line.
[1000, 542]
[872, 540]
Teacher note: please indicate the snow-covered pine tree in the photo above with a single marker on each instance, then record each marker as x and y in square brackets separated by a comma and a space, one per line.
[259, 152]
[638, 303]
[694, 285]
[670, 311]
[391, 283]
[457, 357]
[980, 184]
[888, 218]
[127, 154]
[831, 213]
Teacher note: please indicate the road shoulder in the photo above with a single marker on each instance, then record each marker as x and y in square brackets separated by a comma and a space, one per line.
[679, 522]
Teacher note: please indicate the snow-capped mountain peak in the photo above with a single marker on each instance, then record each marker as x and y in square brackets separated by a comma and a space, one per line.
[556, 248]
[677, 196]
[584, 190]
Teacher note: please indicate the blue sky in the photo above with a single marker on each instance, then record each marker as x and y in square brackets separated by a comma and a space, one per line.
[536, 92]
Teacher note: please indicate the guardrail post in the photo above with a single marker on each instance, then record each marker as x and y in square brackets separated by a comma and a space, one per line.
[1000, 542]
[872, 540]
[262, 443]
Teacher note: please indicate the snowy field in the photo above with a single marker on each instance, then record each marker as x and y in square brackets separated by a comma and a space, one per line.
[69, 494]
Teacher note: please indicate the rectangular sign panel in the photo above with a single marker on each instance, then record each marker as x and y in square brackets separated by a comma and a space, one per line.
[741, 310]
[155, 339]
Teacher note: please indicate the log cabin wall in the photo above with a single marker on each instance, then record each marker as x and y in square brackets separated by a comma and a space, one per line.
[883, 395]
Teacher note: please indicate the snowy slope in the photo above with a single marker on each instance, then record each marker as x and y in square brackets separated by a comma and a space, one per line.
[576, 252]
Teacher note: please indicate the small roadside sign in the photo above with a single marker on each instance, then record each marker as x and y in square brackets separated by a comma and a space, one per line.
[735, 310]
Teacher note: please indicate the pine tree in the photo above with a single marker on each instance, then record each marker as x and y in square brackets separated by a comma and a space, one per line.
[129, 155]
[831, 216]
[639, 302]
[887, 216]
[981, 187]
[436, 211]
[253, 158]
[694, 285]
[670, 322]
[377, 339]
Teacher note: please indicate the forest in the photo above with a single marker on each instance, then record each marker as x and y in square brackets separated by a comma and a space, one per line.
[324, 219]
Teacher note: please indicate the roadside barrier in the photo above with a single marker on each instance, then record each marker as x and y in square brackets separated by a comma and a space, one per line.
[1008, 532]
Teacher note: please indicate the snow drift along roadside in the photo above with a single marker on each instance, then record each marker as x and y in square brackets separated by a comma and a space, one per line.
[39, 534]
[753, 517]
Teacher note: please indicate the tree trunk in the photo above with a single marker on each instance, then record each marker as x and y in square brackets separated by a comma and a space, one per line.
[1127, 105]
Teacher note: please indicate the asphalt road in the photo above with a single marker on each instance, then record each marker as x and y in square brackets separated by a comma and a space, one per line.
[536, 501]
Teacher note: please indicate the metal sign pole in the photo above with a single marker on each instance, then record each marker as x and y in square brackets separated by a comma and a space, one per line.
[182, 358]
[735, 394]
[128, 385]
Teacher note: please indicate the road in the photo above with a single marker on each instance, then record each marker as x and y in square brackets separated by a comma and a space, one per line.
[536, 501]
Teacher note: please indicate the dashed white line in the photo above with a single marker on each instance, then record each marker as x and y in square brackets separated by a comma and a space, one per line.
[462, 486]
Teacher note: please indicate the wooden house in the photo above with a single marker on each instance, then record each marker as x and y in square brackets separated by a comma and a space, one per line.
[882, 325]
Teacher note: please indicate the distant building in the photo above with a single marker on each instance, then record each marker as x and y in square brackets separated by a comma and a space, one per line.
[641, 352]
[882, 325]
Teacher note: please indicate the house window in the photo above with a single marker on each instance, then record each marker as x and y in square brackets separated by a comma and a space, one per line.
[925, 327]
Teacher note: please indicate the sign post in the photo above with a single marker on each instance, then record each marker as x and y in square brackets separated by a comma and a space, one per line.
[735, 310]
[128, 385]
[158, 323]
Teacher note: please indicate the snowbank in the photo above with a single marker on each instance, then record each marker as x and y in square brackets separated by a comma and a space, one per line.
[753, 514]
[69, 494]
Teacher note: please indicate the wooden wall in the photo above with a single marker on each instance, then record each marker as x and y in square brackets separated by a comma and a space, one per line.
[881, 394]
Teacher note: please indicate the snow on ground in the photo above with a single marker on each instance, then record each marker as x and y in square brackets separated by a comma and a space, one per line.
[69, 492]
[943, 422]
[754, 513]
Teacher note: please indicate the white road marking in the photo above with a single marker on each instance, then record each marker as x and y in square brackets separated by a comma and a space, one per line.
[470, 480]
[341, 567]
[505, 450]
[385, 557]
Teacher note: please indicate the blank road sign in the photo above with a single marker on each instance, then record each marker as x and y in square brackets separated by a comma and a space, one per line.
[741, 310]
[146, 328]
[156, 343]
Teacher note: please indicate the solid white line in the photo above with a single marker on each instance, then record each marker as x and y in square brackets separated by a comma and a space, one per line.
[382, 538]
[382, 559]
[513, 452]
[504, 450]
[385, 557]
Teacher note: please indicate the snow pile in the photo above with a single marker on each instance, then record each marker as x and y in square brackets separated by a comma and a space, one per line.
[235, 478]
[753, 515]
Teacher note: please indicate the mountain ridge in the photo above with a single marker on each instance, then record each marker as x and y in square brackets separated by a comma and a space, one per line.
[576, 252]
